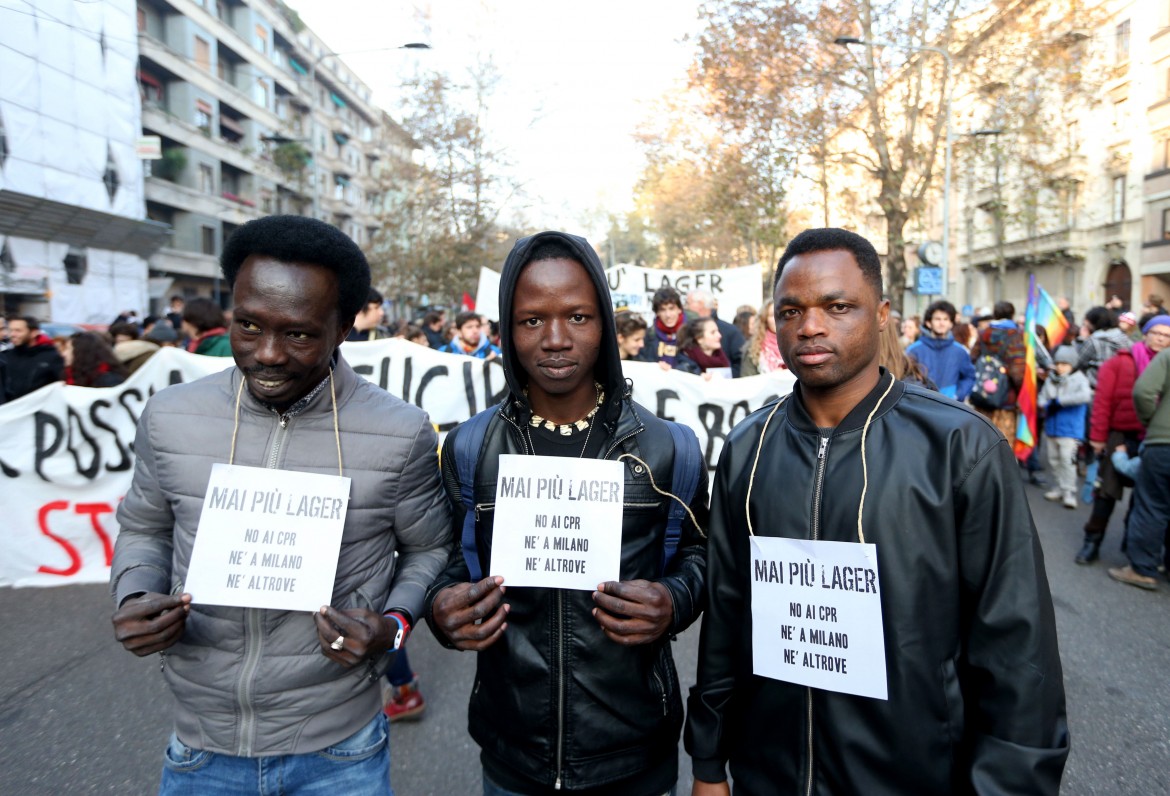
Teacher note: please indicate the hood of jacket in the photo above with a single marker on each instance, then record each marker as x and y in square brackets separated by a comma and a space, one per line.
[937, 343]
[608, 369]
[1114, 339]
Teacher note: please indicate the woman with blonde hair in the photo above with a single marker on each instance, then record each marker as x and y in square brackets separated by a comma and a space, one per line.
[893, 358]
[760, 353]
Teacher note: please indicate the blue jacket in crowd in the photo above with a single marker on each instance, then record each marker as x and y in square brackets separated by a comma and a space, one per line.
[947, 363]
[1065, 400]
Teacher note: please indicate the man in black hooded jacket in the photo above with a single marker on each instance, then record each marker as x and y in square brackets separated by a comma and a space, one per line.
[575, 691]
[970, 697]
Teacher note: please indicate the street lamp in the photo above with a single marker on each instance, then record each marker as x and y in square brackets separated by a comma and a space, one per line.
[412, 45]
[846, 41]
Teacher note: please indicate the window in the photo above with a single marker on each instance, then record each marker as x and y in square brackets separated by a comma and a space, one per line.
[75, 266]
[1121, 52]
[1119, 112]
[110, 175]
[203, 116]
[1161, 153]
[141, 19]
[208, 240]
[7, 264]
[206, 178]
[262, 39]
[262, 93]
[1166, 224]
[202, 54]
[1118, 205]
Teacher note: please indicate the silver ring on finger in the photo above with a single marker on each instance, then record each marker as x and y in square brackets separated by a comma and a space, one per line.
[339, 643]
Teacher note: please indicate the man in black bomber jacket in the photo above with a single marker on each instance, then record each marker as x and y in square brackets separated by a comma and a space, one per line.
[975, 693]
[575, 692]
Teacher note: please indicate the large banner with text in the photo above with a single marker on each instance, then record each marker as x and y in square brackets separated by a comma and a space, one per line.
[67, 458]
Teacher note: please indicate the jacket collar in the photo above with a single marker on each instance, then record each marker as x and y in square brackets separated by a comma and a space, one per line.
[798, 414]
[344, 379]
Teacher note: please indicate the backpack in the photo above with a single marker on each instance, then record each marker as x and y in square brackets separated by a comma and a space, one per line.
[991, 383]
[684, 481]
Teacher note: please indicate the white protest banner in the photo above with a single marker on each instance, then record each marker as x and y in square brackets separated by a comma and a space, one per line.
[66, 453]
[558, 522]
[268, 539]
[817, 615]
[633, 286]
[487, 294]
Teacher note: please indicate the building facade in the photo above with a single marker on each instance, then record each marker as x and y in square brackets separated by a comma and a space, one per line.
[256, 117]
[73, 234]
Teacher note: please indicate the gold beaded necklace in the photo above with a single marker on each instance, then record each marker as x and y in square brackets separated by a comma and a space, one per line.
[568, 428]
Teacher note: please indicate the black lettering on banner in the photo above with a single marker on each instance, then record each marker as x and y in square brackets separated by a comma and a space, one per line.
[739, 410]
[41, 450]
[9, 472]
[384, 374]
[132, 392]
[364, 370]
[407, 377]
[716, 285]
[468, 388]
[664, 396]
[614, 278]
[711, 418]
[175, 377]
[431, 374]
[125, 463]
[95, 462]
[493, 398]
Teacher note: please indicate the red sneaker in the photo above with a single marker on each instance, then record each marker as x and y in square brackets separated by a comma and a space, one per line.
[406, 702]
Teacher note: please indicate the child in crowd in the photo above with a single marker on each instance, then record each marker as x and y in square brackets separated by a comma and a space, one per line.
[1065, 397]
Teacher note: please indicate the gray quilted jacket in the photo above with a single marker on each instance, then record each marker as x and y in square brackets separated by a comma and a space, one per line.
[253, 682]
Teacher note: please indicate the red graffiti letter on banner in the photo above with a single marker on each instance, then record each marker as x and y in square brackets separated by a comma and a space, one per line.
[74, 557]
[93, 510]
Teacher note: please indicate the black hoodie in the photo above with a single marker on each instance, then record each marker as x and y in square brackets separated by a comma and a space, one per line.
[608, 370]
[557, 706]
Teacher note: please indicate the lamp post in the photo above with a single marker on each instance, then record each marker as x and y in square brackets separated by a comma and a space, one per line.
[413, 45]
[996, 212]
[846, 41]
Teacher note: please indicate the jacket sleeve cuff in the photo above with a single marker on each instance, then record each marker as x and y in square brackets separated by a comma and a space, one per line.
[709, 770]
[140, 579]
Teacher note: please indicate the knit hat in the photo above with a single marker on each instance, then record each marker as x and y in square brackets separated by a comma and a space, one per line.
[162, 332]
[1066, 354]
[1127, 317]
[1157, 320]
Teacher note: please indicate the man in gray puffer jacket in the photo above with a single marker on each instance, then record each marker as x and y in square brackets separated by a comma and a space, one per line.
[263, 696]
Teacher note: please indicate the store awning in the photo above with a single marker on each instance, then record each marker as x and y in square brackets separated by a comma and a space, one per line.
[338, 101]
[31, 217]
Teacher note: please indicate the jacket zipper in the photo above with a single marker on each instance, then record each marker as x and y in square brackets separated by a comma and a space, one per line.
[483, 507]
[816, 532]
[617, 442]
[252, 632]
[560, 685]
[662, 691]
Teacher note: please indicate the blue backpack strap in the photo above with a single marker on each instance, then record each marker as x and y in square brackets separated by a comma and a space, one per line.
[468, 443]
[684, 480]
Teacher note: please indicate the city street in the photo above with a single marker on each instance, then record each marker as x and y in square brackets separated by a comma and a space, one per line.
[78, 715]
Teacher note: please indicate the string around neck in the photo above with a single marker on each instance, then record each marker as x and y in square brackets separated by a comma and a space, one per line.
[336, 424]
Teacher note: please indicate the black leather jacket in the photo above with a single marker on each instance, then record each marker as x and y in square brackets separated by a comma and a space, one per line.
[554, 699]
[976, 697]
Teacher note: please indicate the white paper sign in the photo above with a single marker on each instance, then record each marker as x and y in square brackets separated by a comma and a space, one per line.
[558, 522]
[817, 615]
[268, 539]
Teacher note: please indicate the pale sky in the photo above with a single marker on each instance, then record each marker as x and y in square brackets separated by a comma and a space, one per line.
[577, 78]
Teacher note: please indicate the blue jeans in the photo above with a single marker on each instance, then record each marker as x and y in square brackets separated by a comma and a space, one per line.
[357, 766]
[1146, 530]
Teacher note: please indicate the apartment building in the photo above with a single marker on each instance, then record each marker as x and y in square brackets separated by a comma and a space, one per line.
[1154, 264]
[256, 116]
[73, 236]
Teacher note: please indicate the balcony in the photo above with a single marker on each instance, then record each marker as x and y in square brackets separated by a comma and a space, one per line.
[234, 41]
[1058, 246]
[183, 263]
[154, 50]
[189, 135]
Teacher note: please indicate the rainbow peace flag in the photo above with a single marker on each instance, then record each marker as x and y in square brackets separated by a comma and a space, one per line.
[1042, 311]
